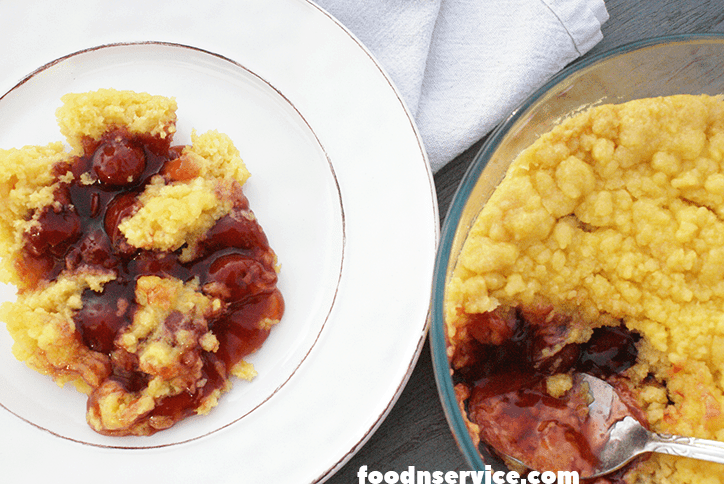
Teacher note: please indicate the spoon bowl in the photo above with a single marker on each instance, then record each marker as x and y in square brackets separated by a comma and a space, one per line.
[616, 437]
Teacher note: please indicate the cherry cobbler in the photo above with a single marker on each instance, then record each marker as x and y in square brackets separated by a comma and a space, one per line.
[142, 275]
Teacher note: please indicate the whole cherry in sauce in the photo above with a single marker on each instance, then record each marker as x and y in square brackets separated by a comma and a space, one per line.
[234, 230]
[118, 161]
[120, 207]
[58, 226]
[103, 315]
[241, 276]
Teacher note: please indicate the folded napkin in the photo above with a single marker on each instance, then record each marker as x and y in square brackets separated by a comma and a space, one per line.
[462, 65]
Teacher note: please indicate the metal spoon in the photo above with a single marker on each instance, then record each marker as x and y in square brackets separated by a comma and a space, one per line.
[625, 438]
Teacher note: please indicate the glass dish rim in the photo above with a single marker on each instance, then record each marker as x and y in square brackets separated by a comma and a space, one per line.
[438, 342]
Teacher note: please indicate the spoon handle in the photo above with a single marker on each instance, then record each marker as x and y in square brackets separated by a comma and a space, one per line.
[703, 449]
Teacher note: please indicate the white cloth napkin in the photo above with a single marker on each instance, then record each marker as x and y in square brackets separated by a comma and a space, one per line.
[462, 65]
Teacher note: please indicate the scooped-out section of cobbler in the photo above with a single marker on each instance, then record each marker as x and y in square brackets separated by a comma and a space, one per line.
[601, 252]
[143, 277]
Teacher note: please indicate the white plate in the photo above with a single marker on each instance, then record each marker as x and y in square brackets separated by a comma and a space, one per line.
[293, 188]
[340, 184]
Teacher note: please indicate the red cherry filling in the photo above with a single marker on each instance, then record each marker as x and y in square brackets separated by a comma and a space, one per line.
[119, 162]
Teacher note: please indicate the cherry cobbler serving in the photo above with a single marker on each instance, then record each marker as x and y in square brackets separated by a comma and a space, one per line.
[143, 276]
